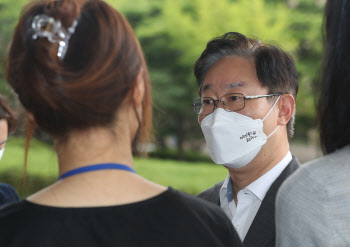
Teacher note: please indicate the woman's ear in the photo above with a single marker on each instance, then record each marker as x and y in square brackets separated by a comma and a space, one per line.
[286, 107]
[139, 89]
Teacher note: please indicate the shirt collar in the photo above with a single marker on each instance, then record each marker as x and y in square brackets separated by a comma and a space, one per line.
[224, 190]
[260, 186]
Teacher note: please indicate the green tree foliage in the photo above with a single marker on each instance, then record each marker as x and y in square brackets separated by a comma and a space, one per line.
[306, 26]
[9, 13]
[192, 24]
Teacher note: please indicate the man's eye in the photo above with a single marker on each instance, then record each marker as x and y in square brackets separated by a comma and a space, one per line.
[207, 102]
[234, 98]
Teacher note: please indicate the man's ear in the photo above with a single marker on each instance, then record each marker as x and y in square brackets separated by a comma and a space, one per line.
[286, 107]
[139, 89]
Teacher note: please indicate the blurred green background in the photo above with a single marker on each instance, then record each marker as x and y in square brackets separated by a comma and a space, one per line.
[173, 34]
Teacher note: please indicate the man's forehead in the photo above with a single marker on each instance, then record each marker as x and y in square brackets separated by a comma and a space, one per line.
[229, 85]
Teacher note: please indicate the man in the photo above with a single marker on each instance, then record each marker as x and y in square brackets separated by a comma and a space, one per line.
[246, 112]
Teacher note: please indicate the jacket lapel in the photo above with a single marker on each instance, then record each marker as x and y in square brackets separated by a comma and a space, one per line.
[216, 194]
[262, 231]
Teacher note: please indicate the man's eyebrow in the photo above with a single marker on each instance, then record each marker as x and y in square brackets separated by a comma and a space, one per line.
[228, 86]
[234, 85]
[3, 142]
[206, 87]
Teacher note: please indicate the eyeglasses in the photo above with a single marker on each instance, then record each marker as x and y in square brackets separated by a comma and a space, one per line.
[229, 102]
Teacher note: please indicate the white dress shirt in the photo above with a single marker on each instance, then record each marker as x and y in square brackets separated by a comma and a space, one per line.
[249, 199]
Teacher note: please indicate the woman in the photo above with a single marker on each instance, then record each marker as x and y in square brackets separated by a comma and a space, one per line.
[313, 205]
[79, 71]
[8, 121]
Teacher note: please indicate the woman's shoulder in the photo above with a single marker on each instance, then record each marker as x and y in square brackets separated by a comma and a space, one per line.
[193, 203]
[12, 209]
[201, 214]
[318, 171]
[7, 194]
[169, 201]
[202, 210]
[172, 218]
[172, 212]
[11, 217]
[318, 179]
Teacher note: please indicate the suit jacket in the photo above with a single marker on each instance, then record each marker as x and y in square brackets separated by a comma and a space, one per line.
[262, 232]
[7, 194]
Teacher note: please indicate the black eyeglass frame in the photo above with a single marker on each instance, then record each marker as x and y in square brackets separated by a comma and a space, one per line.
[223, 107]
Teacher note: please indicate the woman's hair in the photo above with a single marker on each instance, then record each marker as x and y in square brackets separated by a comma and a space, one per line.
[334, 100]
[85, 87]
[7, 113]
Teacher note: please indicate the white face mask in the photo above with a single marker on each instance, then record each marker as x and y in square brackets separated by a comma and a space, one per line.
[232, 138]
[1, 152]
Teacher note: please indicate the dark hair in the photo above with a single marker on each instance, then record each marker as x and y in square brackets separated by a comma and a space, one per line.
[98, 72]
[334, 100]
[7, 113]
[275, 68]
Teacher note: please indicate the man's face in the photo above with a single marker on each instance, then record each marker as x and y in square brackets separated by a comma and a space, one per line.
[238, 75]
[3, 133]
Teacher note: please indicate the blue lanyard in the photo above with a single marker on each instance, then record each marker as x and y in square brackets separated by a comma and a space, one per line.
[96, 167]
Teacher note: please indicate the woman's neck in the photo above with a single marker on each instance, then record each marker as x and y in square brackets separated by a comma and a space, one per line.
[94, 146]
[99, 188]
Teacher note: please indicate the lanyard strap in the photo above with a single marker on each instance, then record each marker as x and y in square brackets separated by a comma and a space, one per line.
[105, 166]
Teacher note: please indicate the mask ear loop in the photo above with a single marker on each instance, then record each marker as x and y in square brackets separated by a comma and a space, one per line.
[269, 113]
[271, 108]
[273, 132]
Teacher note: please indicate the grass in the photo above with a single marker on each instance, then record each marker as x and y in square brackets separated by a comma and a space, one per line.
[43, 169]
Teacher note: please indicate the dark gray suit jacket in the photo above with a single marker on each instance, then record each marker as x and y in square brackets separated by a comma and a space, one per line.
[7, 194]
[262, 232]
